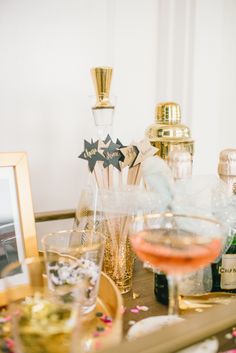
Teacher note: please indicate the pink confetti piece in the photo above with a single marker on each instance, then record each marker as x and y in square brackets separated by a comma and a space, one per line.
[234, 335]
[142, 307]
[10, 343]
[231, 351]
[123, 309]
[106, 319]
[98, 345]
[107, 332]
[134, 311]
[96, 334]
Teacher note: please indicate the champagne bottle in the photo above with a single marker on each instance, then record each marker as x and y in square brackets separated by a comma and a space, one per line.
[180, 163]
[224, 270]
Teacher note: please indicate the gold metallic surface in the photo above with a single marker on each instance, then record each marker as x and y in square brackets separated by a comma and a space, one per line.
[102, 82]
[234, 188]
[168, 133]
[168, 113]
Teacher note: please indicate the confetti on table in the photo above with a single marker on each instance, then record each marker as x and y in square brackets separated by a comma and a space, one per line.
[134, 311]
[99, 314]
[100, 329]
[98, 345]
[131, 322]
[123, 310]
[136, 295]
[106, 319]
[199, 310]
[229, 336]
[142, 307]
[230, 351]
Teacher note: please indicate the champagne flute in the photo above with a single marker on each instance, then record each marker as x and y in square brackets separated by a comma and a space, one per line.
[176, 244]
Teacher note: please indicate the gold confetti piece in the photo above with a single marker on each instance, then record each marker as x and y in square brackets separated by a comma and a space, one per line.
[187, 304]
[199, 310]
[228, 336]
[136, 295]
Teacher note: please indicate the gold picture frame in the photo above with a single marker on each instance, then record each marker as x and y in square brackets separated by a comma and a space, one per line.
[17, 224]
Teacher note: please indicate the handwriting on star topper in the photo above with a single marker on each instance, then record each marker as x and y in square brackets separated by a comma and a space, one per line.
[129, 155]
[145, 150]
[91, 154]
[112, 155]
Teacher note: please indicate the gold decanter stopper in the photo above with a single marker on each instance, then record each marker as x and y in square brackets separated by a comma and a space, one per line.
[102, 82]
[167, 133]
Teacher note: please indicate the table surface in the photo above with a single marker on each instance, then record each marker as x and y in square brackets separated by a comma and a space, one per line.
[143, 286]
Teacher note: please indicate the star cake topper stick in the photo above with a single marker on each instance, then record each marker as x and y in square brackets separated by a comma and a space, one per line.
[91, 154]
[129, 155]
[112, 155]
[145, 150]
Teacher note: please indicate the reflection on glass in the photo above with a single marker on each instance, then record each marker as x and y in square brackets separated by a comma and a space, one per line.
[8, 244]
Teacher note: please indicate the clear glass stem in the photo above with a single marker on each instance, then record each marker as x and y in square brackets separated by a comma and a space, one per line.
[173, 283]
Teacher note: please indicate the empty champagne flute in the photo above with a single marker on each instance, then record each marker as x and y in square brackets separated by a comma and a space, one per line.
[176, 244]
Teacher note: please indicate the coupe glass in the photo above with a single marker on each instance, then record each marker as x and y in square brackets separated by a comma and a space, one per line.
[176, 244]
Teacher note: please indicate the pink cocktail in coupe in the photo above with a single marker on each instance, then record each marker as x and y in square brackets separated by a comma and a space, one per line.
[176, 245]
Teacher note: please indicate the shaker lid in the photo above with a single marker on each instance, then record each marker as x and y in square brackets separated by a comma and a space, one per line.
[168, 125]
[168, 113]
[227, 162]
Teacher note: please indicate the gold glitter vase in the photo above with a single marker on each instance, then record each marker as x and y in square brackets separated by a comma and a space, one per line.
[118, 256]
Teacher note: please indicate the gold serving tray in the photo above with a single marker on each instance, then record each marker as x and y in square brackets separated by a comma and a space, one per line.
[110, 304]
[94, 332]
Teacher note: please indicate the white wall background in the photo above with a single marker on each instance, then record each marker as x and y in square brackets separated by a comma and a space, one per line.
[182, 50]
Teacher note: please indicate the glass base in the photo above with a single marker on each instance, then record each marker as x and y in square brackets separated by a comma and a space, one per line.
[151, 324]
[124, 286]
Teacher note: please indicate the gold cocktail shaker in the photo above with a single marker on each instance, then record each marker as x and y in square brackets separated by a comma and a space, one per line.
[167, 133]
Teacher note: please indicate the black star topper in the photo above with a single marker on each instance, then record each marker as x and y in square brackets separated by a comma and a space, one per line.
[91, 154]
[120, 144]
[112, 155]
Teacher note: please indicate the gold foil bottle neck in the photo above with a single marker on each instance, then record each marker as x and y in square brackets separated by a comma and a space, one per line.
[102, 83]
[180, 163]
[168, 113]
[234, 188]
[227, 162]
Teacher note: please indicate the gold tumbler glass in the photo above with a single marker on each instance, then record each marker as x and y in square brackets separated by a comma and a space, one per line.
[41, 323]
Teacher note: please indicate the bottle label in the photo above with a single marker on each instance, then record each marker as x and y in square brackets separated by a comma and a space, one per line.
[228, 271]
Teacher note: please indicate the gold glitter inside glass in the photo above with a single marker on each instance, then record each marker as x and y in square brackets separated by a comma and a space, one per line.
[118, 256]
